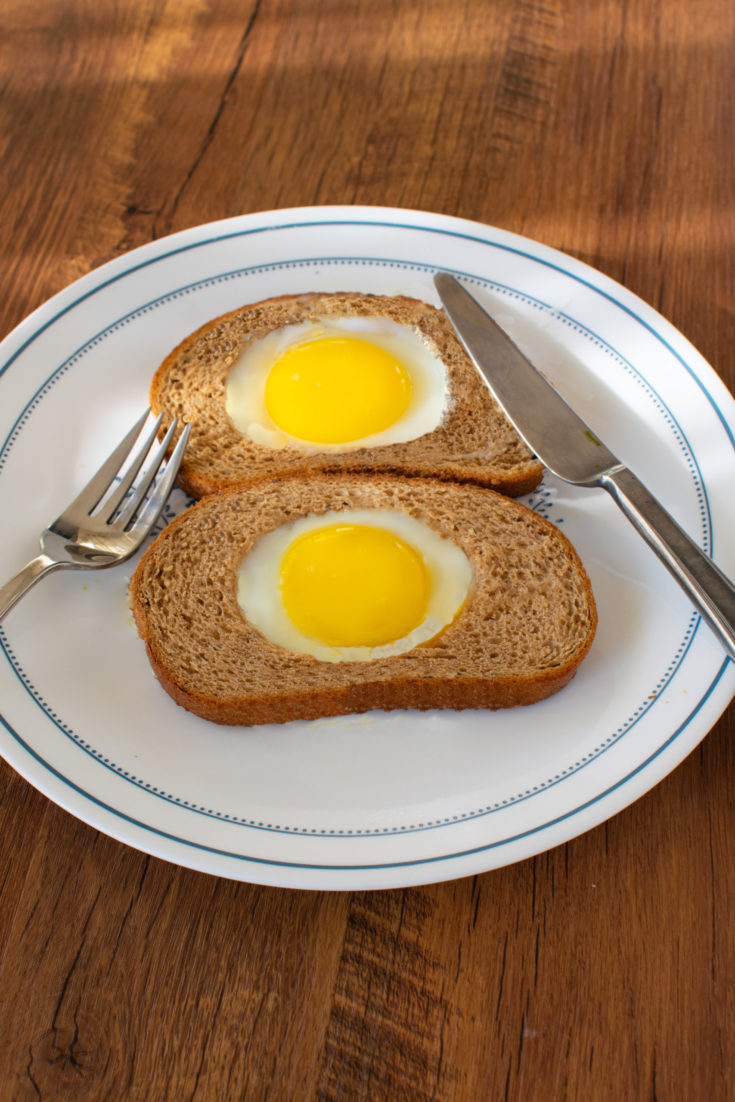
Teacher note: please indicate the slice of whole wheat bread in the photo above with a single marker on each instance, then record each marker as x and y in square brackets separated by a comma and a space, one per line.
[473, 443]
[527, 625]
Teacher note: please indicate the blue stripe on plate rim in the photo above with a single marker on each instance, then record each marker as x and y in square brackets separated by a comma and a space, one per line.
[365, 866]
[315, 223]
[679, 434]
[643, 708]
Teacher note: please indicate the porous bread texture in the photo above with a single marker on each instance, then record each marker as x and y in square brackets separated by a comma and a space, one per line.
[527, 624]
[474, 442]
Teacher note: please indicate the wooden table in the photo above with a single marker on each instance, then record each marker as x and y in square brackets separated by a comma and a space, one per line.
[601, 970]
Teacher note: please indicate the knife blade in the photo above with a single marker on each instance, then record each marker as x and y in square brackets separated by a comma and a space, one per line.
[566, 445]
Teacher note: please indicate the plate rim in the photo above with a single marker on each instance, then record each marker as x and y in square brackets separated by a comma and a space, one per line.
[90, 283]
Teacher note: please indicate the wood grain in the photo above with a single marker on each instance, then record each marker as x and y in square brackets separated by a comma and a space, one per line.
[601, 970]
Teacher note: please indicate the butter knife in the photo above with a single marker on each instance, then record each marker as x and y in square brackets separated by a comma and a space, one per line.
[566, 445]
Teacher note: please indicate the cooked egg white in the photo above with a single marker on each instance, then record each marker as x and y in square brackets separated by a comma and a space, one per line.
[336, 385]
[353, 586]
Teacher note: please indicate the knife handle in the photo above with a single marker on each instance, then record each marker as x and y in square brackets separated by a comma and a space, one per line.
[711, 591]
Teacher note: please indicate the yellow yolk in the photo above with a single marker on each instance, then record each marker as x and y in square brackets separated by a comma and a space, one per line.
[333, 390]
[351, 585]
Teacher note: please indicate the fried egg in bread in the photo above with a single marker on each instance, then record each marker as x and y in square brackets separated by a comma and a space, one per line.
[337, 384]
[353, 585]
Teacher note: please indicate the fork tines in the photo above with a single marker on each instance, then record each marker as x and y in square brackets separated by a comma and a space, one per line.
[131, 486]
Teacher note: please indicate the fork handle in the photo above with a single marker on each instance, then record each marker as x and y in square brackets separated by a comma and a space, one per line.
[13, 590]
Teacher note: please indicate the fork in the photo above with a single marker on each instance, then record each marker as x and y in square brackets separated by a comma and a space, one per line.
[109, 519]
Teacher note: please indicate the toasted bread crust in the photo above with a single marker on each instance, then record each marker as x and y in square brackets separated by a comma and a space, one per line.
[358, 698]
[529, 623]
[474, 443]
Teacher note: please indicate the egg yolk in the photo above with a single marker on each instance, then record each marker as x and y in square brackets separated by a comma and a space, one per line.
[351, 585]
[333, 390]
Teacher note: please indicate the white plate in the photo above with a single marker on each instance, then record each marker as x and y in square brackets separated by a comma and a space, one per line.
[387, 799]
